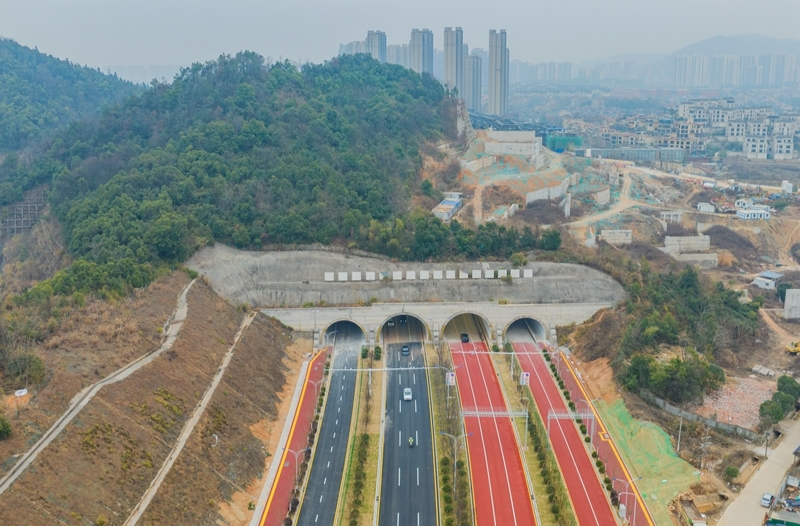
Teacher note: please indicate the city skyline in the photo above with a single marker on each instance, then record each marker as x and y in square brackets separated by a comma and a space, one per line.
[150, 33]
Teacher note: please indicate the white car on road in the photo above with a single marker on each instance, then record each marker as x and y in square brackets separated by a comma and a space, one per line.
[407, 393]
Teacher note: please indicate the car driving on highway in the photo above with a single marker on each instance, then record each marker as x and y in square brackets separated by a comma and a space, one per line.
[391, 323]
[407, 393]
[405, 351]
[464, 337]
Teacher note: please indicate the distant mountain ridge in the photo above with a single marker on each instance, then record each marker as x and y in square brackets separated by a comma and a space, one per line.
[40, 93]
[741, 45]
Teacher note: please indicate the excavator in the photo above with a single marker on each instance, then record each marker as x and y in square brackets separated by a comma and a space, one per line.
[793, 348]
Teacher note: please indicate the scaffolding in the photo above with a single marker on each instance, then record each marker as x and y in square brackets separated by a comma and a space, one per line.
[20, 217]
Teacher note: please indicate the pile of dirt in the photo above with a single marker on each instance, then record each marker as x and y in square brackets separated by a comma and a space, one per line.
[102, 462]
[739, 246]
[89, 345]
[703, 196]
[679, 230]
[498, 195]
[544, 212]
[658, 260]
[224, 456]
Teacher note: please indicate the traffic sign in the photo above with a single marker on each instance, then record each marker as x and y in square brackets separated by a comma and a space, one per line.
[524, 378]
[451, 378]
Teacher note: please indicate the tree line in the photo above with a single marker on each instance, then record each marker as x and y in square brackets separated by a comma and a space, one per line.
[250, 155]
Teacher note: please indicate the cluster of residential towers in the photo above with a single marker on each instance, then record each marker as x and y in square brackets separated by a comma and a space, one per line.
[463, 72]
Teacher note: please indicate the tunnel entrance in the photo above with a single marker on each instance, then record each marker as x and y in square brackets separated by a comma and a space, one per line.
[343, 333]
[526, 330]
[467, 326]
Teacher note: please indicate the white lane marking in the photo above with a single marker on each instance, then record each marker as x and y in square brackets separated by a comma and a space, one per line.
[398, 476]
[398, 519]
[415, 378]
[320, 498]
[415, 406]
[342, 389]
[325, 480]
[316, 517]
[339, 410]
[329, 464]
[417, 518]
[340, 398]
[401, 407]
[417, 476]
[331, 449]
[400, 379]
[536, 371]
[399, 438]
[334, 435]
[416, 434]
[337, 422]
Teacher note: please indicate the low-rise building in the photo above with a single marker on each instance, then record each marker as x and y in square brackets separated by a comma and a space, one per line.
[448, 207]
[705, 207]
[743, 202]
[750, 215]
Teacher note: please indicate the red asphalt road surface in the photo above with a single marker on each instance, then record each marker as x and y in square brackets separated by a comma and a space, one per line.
[281, 493]
[588, 497]
[500, 489]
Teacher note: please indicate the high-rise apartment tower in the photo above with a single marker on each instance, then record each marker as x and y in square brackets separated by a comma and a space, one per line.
[454, 59]
[420, 51]
[376, 45]
[498, 72]
[472, 82]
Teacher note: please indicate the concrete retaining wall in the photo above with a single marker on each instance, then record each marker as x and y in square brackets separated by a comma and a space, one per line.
[791, 307]
[687, 244]
[550, 192]
[617, 237]
[703, 261]
[603, 196]
[478, 164]
[290, 279]
[691, 417]
[510, 148]
[511, 136]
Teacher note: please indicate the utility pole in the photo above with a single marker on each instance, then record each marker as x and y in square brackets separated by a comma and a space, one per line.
[680, 428]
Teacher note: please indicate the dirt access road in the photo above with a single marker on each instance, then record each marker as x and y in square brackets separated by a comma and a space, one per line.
[80, 400]
[625, 202]
[138, 511]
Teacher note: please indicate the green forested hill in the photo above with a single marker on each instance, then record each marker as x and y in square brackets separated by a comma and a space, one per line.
[249, 155]
[39, 93]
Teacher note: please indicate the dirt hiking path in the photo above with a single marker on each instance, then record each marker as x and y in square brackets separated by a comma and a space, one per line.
[171, 329]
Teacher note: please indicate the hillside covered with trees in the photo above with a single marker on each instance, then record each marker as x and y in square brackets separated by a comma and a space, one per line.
[250, 155]
[40, 93]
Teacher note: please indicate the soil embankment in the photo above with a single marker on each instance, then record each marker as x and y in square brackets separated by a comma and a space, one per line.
[100, 465]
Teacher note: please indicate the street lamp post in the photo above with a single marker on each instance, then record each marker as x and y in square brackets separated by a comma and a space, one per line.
[296, 463]
[316, 385]
[634, 502]
[455, 440]
[325, 339]
[627, 487]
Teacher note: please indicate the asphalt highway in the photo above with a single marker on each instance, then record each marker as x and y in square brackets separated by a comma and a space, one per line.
[322, 492]
[591, 506]
[408, 494]
[499, 486]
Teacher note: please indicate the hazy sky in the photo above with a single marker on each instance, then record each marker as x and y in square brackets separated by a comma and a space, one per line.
[152, 32]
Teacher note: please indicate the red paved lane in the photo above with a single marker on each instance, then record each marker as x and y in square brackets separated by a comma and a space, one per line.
[281, 493]
[500, 489]
[588, 497]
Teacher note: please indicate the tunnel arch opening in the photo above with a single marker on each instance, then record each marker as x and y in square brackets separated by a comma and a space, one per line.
[412, 324]
[327, 337]
[466, 322]
[526, 326]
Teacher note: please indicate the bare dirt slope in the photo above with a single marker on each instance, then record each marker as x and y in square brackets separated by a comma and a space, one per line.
[101, 463]
[212, 470]
[90, 344]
